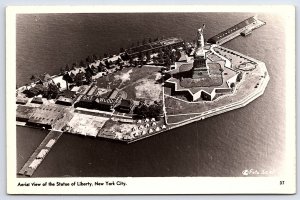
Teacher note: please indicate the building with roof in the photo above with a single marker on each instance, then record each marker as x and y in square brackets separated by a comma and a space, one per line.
[98, 103]
[37, 100]
[21, 101]
[104, 104]
[125, 106]
[64, 101]
[116, 94]
[45, 116]
[86, 101]
[23, 113]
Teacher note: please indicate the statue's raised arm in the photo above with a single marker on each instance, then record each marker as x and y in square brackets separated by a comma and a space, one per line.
[200, 30]
[200, 37]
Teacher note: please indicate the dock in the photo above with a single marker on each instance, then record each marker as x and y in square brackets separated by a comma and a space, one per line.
[242, 29]
[40, 153]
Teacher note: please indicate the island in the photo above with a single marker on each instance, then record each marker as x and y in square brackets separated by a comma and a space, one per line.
[145, 90]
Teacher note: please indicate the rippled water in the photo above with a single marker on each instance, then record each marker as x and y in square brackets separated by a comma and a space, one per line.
[224, 145]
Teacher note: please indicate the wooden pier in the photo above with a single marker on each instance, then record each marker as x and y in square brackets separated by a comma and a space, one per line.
[40, 153]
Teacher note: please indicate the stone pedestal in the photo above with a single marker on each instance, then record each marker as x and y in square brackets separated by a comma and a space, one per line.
[200, 68]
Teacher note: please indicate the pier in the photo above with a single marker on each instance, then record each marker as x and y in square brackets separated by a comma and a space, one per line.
[40, 153]
[242, 29]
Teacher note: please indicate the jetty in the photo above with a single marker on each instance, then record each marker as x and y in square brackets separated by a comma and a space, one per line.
[40, 153]
[243, 28]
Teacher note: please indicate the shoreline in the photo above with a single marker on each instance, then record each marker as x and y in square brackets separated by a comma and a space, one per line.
[227, 108]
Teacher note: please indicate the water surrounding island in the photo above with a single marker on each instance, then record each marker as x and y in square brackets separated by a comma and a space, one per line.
[252, 137]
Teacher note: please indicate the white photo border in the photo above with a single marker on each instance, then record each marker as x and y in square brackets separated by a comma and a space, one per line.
[168, 185]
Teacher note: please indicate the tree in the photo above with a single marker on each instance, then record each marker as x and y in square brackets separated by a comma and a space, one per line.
[168, 63]
[95, 57]
[154, 110]
[240, 77]
[89, 59]
[78, 79]
[148, 56]
[101, 67]
[82, 63]
[177, 55]
[62, 70]
[88, 76]
[107, 64]
[67, 78]
[73, 66]
[141, 110]
[33, 78]
[52, 91]
[26, 87]
[160, 53]
[130, 61]
[125, 56]
[67, 68]
[172, 58]
[36, 90]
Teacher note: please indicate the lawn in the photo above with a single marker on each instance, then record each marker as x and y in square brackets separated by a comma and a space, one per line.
[145, 89]
[141, 83]
[235, 58]
[214, 79]
[180, 118]
[127, 76]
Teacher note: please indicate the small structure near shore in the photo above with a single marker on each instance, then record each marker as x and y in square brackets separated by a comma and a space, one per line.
[37, 100]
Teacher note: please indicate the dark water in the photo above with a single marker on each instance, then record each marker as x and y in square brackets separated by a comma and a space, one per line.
[224, 145]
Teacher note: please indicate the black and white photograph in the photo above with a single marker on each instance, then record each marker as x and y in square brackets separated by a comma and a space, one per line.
[108, 100]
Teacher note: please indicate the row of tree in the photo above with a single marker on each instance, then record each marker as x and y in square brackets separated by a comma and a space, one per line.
[144, 41]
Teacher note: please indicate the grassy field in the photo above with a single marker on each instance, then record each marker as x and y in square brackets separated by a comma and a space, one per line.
[180, 118]
[142, 84]
[214, 79]
[236, 60]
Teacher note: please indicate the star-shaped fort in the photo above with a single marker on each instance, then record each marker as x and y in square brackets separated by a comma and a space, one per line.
[204, 75]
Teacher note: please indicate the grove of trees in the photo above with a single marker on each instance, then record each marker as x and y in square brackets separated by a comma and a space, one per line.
[148, 111]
